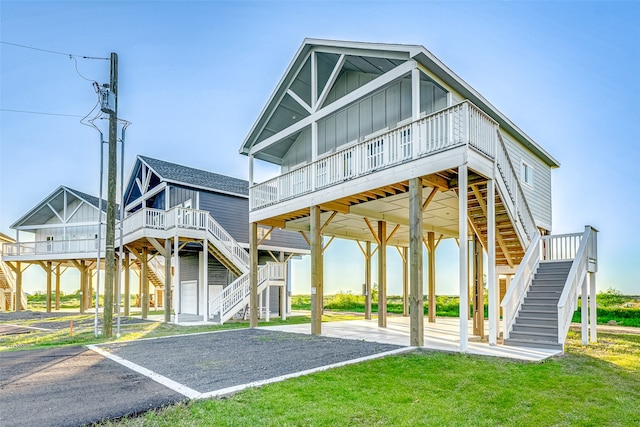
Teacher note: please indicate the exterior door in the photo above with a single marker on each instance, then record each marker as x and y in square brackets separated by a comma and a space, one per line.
[189, 297]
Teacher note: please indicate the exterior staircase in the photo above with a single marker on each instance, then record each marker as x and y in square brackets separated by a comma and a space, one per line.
[536, 324]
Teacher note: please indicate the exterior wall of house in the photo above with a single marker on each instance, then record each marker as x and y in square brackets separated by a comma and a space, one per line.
[179, 195]
[85, 213]
[538, 195]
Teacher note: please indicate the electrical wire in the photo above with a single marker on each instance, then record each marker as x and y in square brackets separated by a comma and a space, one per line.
[39, 112]
[53, 51]
[76, 64]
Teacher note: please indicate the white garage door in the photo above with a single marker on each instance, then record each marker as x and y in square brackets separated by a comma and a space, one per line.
[189, 297]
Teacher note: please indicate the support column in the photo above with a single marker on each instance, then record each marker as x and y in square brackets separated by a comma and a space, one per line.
[317, 291]
[268, 305]
[283, 288]
[48, 271]
[205, 280]
[253, 274]
[382, 274]
[167, 282]
[176, 279]
[415, 257]
[478, 288]
[431, 271]
[492, 279]
[83, 279]
[18, 296]
[58, 274]
[584, 312]
[89, 288]
[405, 281]
[367, 281]
[464, 257]
[592, 307]
[127, 283]
[144, 301]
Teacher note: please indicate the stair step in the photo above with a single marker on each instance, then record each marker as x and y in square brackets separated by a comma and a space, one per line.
[516, 342]
[543, 301]
[535, 320]
[550, 276]
[546, 329]
[534, 335]
[544, 294]
[539, 313]
[548, 283]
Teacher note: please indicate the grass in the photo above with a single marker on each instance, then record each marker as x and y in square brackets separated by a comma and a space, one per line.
[448, 306]
[83, 330]
[588, 386]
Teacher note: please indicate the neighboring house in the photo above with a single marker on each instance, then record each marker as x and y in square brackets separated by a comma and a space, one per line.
[60, 232]
[385, 145]
[166, 206]
[7, 281]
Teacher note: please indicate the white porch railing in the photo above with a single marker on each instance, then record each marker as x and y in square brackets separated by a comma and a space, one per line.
[520, 284]
[235, 295]
[156, 264]
[53, 247]
[585, 260]
[461, 124]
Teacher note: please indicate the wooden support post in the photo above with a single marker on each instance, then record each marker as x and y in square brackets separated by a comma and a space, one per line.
[58, 276]
[144, 301]
[205, 280]
[478, 291]
[405, 281]
[592, 307]
[431, 271]
[177, 288]
[382, 274]
[283, 288]
[253, 274]
[48, 269]
[367, 281]
[317, 291]
[89, 288]
[127, 283]
[464, 256]
[415, 256]
[167, 281]
[83, 279]
[492, 278]
[18, 295]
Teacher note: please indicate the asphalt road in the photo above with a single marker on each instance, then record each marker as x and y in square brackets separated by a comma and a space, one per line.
[72, 386]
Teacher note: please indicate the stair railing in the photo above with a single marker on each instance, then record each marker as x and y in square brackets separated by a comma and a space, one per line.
[234, 296]
[519, 208]
[157, 266]
[521, 282]
[585, 261]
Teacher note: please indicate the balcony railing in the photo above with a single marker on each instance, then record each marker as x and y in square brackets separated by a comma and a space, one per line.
[53, 247]
[461, 124]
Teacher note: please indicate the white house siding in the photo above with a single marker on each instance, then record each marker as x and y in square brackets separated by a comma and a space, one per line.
[299, 152]
[86, 213]
[538, 196]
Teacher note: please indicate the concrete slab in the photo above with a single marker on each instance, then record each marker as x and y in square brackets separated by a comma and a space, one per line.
[443, 335]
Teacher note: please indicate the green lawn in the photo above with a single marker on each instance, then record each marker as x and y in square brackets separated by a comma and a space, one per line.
[598, 385]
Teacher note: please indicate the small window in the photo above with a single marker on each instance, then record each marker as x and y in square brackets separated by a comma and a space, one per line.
[527, 174]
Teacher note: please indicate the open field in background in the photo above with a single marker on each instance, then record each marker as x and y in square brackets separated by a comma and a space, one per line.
[612, 307]
[590, 385]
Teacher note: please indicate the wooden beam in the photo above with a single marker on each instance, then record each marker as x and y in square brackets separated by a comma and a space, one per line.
[156, 245]
[504, 249]
[265, 236]
[167, 281]
[401, 253]
[436, 181]
[430, 198]
[273, 222]
[431, 281]
[328, 221]
[361, 248]
[305, 237]
[373, 232]
[464, 257]
[367, 281]
[396, 228]
[328, 243]
[317, 292]
[335, 206]
[382, 275]
[405, 281]
[145, 284]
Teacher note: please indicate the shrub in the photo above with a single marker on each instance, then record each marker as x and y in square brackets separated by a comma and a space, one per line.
[611, 297]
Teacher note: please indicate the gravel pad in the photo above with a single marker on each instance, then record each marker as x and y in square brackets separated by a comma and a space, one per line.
[213, 361]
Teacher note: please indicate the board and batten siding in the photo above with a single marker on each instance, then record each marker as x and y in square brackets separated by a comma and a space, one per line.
[86, 213]
[232, 213]
[179, 195]
[538, 195]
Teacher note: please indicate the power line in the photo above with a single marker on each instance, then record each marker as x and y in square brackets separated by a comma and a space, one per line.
[53, 51]
[41, 113]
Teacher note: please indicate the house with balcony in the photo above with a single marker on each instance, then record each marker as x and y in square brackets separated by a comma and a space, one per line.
[385, 145]
[168, 210]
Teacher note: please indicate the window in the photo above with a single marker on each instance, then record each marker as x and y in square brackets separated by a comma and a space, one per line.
[526, 174]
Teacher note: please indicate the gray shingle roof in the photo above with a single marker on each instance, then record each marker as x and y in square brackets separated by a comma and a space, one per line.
[197, 177]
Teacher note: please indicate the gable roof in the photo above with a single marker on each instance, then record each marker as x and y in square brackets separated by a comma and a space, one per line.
[87, 198]
[396, 51]
[191, 177]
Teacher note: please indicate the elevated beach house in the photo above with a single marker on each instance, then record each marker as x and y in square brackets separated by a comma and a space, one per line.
[385, 145]
[168, 209]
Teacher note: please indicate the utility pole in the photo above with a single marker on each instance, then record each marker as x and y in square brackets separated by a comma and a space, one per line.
[110, 255]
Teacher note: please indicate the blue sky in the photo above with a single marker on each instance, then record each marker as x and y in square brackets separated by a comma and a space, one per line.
[195, 75]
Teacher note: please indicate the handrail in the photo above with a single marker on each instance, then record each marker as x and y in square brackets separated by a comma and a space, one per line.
[235, 294]
[49, 247]
[520, 284]
[458, 125]
[510, 179]
[567, 304]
